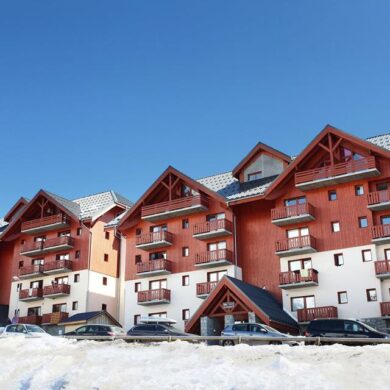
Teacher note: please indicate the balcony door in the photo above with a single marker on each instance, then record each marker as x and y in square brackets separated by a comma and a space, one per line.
[59, 307]
[295, 233]
[216, 276]
[157, 256]
[215, 246]
[215, 217]
[36, 284]
[307, 302]
[61, 280]
[157, 232]
[297, 265]
[157, 284]
[34, 311]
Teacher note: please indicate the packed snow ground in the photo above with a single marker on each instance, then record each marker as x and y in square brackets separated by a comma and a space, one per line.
[55, 363]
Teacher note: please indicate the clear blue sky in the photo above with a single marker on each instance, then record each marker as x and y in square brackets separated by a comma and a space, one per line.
[98, 95]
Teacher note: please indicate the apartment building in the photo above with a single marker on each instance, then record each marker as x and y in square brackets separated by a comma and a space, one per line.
[58, 260]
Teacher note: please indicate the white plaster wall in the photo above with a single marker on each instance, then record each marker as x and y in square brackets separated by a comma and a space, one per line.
[182, 297]
[267, 165]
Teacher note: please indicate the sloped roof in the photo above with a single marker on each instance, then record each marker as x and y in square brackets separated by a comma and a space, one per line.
[381, 140]
[79, 317]
[115, 221]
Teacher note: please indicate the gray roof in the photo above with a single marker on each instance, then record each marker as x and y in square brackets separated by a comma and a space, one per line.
[73, 207]
[381, 140]
[115, 221]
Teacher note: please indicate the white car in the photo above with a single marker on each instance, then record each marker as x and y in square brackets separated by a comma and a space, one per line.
[25, 330]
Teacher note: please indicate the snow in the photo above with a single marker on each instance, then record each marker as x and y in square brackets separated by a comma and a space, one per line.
[55, 363]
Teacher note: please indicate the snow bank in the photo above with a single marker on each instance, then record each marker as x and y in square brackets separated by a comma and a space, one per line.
[57, 363]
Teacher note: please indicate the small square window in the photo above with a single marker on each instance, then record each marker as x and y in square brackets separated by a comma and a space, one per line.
[366, 255]
[107, 235]
[77, 255]
[21, 263]
[185, 280]
[335, 226]
[18, 286]
[342, 297]
[22, 242]
[363, 222]
[104, 281]
[138, 259]
[138, 232]
[137, 286]
[76, 278]
[338, 259]
[104, 307]
[359, 190]
[137, 319]
[332, 195]
[371, 295]
[78, 232]
[106, 257]
[185, 251]
[185, 224]
[75, 305]
[185, 314]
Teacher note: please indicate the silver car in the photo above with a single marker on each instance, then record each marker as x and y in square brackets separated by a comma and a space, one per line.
[25, 330]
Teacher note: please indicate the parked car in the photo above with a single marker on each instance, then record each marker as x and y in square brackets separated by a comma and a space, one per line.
[97, 330]
[25, 330]
[255, 330]
[342, 328]
[155, 330]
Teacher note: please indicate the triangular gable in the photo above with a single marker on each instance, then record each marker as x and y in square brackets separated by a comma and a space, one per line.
[21, 202]
[152, 191]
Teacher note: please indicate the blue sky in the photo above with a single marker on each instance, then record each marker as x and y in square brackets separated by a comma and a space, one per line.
[98, 95]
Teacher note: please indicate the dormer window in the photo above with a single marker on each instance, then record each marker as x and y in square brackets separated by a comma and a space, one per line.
[255, 175]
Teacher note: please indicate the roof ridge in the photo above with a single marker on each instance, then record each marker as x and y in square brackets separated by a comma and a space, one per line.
[379, 135]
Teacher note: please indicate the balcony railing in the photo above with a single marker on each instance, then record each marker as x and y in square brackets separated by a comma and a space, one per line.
[292, 214]
[54, 318]
[56, 289]
[154, 240]
[337, 173]
[382, 269]
[175, 207]
[210, 229]
[379, 200]
[296, 245]
[380, 233]
[32, 320]
[30, 271]
[150, 297]
[204, 289]
[385, 309]
[155, 267]
[51, 245]
[302, 278]
[45, 224]
[306, 315]
[214, 258]
[57, 266]
[30, 294]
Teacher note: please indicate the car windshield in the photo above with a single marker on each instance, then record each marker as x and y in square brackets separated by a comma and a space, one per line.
[34, 329]
[117, 329]
[368, 327]
[173, 329]
[270, 329]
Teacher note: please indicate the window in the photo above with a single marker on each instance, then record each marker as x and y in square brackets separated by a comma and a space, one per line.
[21, 263]
[387, 254]
[76, 278]
[36, 284]
[104, 306]
[138, 259]
[22, 242]
[37, 261]
[77, 255]
[75, 305]
[157, 284]
[185, 314]
[382, 186]
[106, 257]
[64, 234]
[335, 226]
[297, 265]
[157, 255]
[63, 256]
[160, 314]
[59, 307]
[216, 246]
[158, 228]
[78, 232]
[385, 220]
[107, 235]
[185, 224]
[19, 287]
[254, 175]
[363, 222]
[332, 195]
[371, 295]
[185, 251]
[61, 280]
[342, 297]
[214, 217]
[137, 318]
[137, 286]
[306, 302]
[294, 233]
[104, 281]
[185, 280]
[338, 259]
[359, 190]
[216, 276]
[366, 255]
[138, 231]
[34, 311]
[295, 201]
[39, 238]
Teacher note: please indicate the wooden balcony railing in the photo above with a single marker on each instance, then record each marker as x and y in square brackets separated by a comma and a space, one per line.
[211, 256]
[150, 238]
[295, 243]
[335, 170]
[292, 211]
[385, 309]
[56, 289]
[32, 320]
[380, 231]
[31, 269]
[154, 265]
[54, 318]
[57, 264]
[161, 294]
[31, 293]
[50, 243]
[305, 315]
[382, 267]
[296, 277]
[176, 204]
[40, 222]
[218, 224]
[378, 197]
[205, 288]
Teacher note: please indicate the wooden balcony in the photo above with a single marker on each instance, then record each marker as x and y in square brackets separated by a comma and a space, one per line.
[337, 173]
[380, 234]
[154, 267]
[56, 244]
[385, 309]
[54, 318]
[296, 246]
[204, 289]
[154, 297]
[31, 271]
[214, 258]
[382, 269]
[297, 279]
[30, 294]
[292, 214]
[154, 240]
[32, 320]
[56, 290]
[211, 229]
[379, 200]
[306, 315]
[57, 266]
[45, 224]
[174, 208]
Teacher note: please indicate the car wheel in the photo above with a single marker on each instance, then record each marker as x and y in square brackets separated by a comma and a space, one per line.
[228, 343]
